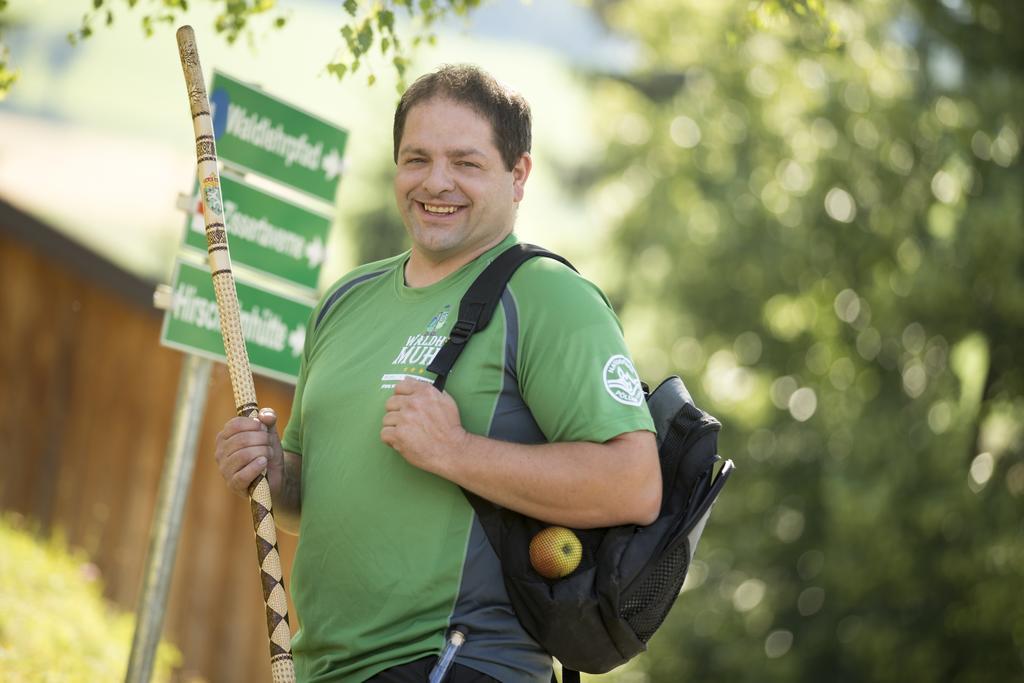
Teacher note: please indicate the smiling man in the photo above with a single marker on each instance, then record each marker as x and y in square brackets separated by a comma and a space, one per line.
[368, 471]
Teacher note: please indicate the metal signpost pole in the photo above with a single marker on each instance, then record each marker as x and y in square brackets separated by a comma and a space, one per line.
[166, 528]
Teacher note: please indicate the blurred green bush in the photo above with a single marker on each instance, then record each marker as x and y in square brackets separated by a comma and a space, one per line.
[55, 624]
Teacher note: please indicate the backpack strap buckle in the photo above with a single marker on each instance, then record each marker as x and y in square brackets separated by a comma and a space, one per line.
[461, 331]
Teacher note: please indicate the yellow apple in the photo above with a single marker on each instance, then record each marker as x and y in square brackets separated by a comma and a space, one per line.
[555, 552]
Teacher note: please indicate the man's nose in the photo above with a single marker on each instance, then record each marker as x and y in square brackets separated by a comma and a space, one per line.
[439, 179]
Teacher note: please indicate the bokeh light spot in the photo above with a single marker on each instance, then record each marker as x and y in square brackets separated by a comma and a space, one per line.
[685, 132]
[810, 601]
[981, 471]
[914, 337]
[789, 525]
[900, 157]
[747, 348]
[810, 564]
[940, 417]
[748, 595]
[840, 206]
[946, 187]
[869, 343]
[847, 305]
[802, 404]
[782, 389]
[842, 374]
[778, 643]
[1005, 147]
[915, 379]
[687, 354]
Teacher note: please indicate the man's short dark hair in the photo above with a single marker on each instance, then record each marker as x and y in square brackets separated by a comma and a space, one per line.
[507, 110]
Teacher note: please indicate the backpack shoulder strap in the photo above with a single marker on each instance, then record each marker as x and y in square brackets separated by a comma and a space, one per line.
[479, 303]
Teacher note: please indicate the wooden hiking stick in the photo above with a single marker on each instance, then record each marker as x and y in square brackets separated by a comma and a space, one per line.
[281, 665]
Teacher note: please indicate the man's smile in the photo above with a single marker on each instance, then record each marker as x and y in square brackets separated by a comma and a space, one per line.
[439, 209]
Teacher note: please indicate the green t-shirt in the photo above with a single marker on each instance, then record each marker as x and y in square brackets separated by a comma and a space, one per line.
[390, 555]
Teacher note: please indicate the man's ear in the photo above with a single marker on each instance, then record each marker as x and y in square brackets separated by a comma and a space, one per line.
[520, 172]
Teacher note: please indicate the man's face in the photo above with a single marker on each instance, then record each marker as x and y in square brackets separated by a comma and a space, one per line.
[452, 188]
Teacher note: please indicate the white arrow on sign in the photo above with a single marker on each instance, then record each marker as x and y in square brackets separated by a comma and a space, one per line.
[297, 339]
[332, 164]
[315, 252]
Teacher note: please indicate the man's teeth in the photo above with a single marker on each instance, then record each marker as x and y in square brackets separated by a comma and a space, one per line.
[434, 208]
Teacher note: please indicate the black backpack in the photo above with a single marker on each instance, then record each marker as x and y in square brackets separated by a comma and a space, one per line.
[602, 614]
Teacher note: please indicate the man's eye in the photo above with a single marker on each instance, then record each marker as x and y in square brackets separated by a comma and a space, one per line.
[415, 160]
[469, 164]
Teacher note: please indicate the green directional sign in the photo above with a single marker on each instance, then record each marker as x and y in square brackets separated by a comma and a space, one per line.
[274, 326]
[262, 134]
[266, 233]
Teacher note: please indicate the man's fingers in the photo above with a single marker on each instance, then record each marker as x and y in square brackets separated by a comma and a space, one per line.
[241, 440]
[242, 478]
[245, 447]
[268, 418]
[410, 386]
[395, 402]
[239, 459]
[390, 419]
[238, 425]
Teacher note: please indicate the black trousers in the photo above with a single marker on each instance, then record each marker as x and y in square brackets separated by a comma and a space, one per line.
[419, 670]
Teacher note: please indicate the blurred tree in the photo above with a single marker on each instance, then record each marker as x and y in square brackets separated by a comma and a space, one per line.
[377, 232]
[367, 26]
[826, 243]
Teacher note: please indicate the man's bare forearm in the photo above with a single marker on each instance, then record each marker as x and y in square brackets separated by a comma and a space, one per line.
[286, 493]
[578, 484]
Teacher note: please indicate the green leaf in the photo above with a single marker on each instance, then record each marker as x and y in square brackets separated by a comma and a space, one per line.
[365, 37]
[349, 35]
[7, 78]
[351, 6]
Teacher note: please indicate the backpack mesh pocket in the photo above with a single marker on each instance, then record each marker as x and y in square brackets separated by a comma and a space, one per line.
[648, 604]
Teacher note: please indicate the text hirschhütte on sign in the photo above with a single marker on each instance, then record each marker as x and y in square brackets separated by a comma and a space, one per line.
[259, 325]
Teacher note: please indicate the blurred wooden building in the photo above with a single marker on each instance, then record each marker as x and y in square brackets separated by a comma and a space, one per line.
[88, 396]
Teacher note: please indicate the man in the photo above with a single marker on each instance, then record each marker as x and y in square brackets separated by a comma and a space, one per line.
[390, 554]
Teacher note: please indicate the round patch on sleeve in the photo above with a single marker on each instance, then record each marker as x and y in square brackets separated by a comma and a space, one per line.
[622, 381]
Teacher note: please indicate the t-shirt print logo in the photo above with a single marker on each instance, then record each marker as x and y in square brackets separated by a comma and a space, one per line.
[622, 381]
[438, 320]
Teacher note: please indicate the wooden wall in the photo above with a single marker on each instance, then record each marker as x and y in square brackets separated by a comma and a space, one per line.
[88, 395]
